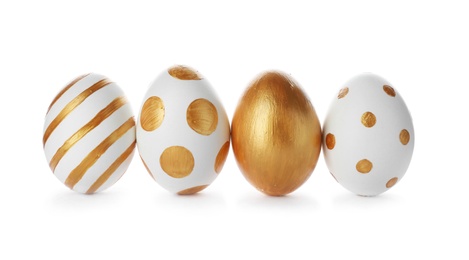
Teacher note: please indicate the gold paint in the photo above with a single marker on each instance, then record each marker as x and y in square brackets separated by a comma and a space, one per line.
[65, 90]
[152, 114]
[342, 93]
[146, 167]
[202, 116]
[330, 141]
[389, 90]
[221, 157]
[72, 105]
[109, 171]
[404, 136]
[76, 174]
[364, 166]
[92, 124]
[184, 73]
[192, 190]
[368, 119]
[391, 182]
[177, 161]
[276, 135]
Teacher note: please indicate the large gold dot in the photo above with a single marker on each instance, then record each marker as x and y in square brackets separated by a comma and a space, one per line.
[389, 90]
[368, 119]
[404, 136]
[202, 116]
[342, 93]
[184, 73]
[152, 114]
[192, 190]
[391, 182]
[364, 166]
[330, 141]
[177, 161]
[221, 157]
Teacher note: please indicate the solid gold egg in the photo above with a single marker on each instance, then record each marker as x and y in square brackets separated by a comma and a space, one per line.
[276, 134]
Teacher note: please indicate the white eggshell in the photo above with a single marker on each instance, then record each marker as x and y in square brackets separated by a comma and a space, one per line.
[89, 134]
[164, 125]
[368, 136]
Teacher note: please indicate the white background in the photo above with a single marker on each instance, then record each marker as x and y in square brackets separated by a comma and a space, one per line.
[421, 47]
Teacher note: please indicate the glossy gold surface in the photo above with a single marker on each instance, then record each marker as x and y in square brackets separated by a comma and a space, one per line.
[192, 190]
[389, 90]
[71, 106]
[76, 174]
[109, 171]
[276, 135]
[202, 116]
[221, 157]
[364, 166]
[152, 114]
[184, 73]
[404, 137]
[84, 130]
[391, 182]
[177, 161]
[368, 119]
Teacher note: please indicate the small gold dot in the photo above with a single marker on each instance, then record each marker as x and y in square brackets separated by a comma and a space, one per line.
[391, 182]
[152, 114]
[364, 166]
[177, 161]
[389, 90]
[342, 93]
[202, 116]
[221, 157]
[368, 119]
[404, 136]
[330, 141]
[184, 73]
[192, 190]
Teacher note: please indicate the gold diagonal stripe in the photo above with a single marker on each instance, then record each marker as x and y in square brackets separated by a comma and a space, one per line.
[71, 106]
[92, 124]
[109, 171]
[65, 90]
[76, 174]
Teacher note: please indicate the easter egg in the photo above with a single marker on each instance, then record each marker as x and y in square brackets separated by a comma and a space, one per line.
[368, 135]
[183, 132]
[89, 134]
[276, 134]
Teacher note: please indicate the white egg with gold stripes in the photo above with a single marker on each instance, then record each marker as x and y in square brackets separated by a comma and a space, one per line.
[183, 132]
[89, 134]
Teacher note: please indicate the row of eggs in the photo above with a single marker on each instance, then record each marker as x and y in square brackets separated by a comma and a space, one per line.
[183, 134]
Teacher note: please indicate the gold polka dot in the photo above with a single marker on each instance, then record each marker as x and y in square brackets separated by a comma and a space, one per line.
[202, 116]
[152, 114]
[184, 73]
[389, 90]
[330, 141]
[192, 190]
[364, 166]
[404, 136]
[391, 182]
[146, 167]
[221, 157]
[177, 161]
[368, 119]
[342, 93]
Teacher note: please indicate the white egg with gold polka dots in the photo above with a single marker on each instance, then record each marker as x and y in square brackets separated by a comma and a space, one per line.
[368, 136]
[183, 132]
